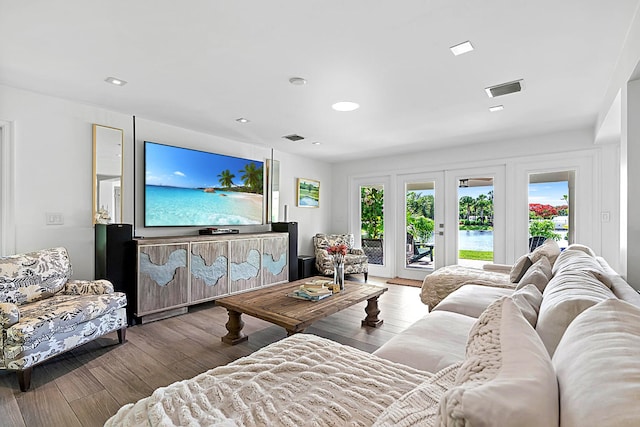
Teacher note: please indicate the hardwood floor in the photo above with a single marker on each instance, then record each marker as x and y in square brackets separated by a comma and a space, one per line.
[87, 385]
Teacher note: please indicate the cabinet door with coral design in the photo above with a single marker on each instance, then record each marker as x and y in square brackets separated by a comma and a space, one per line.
[163, 279]
[244, 264]
[275, 268]
[209, 270]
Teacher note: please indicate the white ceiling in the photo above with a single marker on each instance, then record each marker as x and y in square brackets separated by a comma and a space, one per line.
[201, 64]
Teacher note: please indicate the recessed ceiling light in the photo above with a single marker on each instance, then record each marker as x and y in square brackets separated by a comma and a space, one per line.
[496, 108]
[242, 120]
[297, 81]
[461, 48]
[345, 106]
[316, 143]
[115, 81]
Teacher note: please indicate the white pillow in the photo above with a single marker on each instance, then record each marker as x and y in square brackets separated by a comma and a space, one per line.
[598, 368]
[520, 267]
[528, 299]
[506, 379]
[567, 295]
[570, 260]
[549, 249]
[578, 247]
[538, 274]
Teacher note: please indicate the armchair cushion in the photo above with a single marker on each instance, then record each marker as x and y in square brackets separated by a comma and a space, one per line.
[33, 276]
[42, 319]
[9, 314]
[88, 287]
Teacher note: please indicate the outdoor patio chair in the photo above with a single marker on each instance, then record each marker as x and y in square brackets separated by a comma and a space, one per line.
[535, 241]
[418, 250]
[374, 250]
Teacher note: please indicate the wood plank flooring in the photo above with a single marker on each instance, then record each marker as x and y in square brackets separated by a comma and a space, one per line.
[87, 385]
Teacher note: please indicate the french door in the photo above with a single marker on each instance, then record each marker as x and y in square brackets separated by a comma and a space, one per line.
[372, 221]
[420, 228]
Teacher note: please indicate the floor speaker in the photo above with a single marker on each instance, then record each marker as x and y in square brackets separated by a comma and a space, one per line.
[292, 229]
[114, 258]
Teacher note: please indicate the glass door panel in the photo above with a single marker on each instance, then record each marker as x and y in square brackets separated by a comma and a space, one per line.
[420, 225]
[372, 222]
[475, 221]
[550, 208]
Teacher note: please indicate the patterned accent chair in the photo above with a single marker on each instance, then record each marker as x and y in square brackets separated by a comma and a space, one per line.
[43, 313]
[355, 261]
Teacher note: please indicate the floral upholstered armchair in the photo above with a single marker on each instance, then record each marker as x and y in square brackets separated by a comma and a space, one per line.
[43, 313]
[355, 261]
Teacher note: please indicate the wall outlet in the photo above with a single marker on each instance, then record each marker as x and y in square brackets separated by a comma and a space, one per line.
[54, 218]
[605, 216]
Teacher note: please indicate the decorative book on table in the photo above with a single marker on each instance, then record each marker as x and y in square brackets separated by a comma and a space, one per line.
[312, 291]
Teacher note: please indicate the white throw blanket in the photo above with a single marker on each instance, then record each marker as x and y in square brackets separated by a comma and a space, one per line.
[437, 285]
[303, 380]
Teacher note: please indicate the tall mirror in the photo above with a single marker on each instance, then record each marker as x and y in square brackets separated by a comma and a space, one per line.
[107, 174]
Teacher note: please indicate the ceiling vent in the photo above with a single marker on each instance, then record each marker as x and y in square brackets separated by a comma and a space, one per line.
[505, 88]
[293, 137]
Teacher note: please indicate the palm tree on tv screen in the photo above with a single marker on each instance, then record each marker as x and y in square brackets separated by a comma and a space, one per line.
[252, 177]
[226, 178]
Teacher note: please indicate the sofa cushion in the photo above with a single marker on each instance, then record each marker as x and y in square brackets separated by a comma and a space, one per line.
[42, 319]
[538, 274]
[597, 367]
[471, 300]
[506, 379]
[430, 344]
[520, 267]
[619, 286]
[33, 276]
[567, 295]
[548, 249]
[578, 247]
[528, 299]
[573, 260]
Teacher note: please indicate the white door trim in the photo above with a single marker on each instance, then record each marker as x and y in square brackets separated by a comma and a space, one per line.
[7, 185]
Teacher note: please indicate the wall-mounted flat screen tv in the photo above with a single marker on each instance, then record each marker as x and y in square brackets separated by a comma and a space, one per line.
[185, 187]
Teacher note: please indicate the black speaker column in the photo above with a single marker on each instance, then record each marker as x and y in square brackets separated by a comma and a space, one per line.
[292, 229]
[114, 259]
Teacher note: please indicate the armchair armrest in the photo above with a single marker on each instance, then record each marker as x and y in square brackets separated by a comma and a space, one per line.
[9, 314]
[497, 268]
[87, 287]
[356, 251]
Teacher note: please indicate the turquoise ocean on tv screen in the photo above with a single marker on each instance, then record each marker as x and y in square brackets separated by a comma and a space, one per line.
[172, 206]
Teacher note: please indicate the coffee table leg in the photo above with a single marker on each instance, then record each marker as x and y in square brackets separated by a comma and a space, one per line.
[290, 332]
[372, 311]
[234, 326]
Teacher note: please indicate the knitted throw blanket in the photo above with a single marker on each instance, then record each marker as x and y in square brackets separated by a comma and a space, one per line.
[303, 380]
[437, 285]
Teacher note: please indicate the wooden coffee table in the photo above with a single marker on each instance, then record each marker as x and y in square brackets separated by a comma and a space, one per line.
[273, 305]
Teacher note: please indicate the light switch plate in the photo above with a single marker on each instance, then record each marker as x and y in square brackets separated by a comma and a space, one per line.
[54, 218]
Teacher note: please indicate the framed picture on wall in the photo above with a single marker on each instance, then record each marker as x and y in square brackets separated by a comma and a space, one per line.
[308, 193]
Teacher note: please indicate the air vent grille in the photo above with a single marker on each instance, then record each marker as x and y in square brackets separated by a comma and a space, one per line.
[293, 137]
[505, 88]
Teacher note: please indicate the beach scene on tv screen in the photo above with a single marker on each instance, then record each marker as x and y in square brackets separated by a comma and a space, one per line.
[185, 187]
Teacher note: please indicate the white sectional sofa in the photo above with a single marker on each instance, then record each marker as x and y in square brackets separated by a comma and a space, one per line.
[559, 347]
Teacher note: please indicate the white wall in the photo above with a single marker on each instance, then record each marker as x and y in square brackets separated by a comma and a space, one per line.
[53, 169]
[599, 178]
